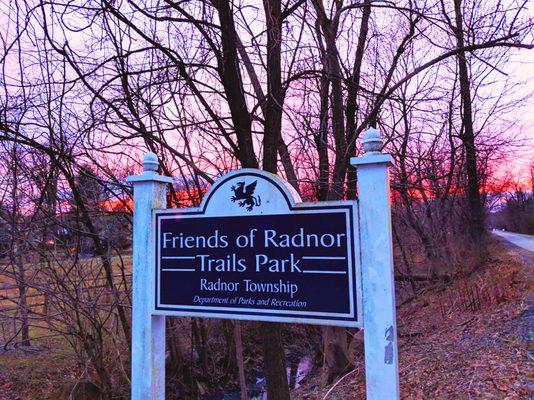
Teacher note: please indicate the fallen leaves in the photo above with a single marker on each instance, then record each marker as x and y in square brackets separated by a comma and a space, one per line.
[448, 350]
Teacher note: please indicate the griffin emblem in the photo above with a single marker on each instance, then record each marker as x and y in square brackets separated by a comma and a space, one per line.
[245, 195]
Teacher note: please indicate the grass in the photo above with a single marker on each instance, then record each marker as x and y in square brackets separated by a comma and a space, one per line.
[40, 372]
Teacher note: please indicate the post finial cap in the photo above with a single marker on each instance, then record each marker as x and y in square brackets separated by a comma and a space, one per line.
[372, 142]
[150, 162]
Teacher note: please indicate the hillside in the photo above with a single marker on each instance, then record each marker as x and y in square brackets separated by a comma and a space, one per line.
[471, 338]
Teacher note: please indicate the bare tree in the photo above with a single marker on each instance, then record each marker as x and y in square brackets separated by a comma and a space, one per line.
[214, 86]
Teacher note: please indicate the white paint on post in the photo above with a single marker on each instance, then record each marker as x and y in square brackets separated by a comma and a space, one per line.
[374, 246]
[379, 321]
[148, 331]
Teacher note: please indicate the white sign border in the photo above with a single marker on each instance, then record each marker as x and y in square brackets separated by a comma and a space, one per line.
[348, 207]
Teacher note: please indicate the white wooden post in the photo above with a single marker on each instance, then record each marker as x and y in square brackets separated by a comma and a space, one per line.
[379, 322]
[148, 331]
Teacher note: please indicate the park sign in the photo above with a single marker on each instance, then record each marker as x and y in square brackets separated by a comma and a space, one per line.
[253, 251]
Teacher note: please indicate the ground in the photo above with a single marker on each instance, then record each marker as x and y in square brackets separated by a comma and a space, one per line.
[40, 372]
[468, 339]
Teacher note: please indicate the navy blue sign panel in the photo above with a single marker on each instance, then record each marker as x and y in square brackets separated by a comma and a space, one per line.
[250, 251]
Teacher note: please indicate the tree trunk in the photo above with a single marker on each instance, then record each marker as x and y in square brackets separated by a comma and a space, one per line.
[321, 139]
[274, 358]
[475, 206]
[230, 75]
[334, 338]
[15, 259]
[338, 124]
[23, 305]
[273, 108]
[283, 150]
[352, 92]
[239, 359]
[273, 352]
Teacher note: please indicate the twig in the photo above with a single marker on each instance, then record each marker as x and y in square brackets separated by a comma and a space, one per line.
[412, 364]
[335, 384]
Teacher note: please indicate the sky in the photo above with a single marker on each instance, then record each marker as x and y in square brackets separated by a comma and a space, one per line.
[521, 69]
[520, 161]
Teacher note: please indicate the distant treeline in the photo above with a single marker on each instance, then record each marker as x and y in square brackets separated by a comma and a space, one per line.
[517, 215]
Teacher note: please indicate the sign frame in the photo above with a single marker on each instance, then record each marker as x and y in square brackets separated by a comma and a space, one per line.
[376, 271]
[294, 206]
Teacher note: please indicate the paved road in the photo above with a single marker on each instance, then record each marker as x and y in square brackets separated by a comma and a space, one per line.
[524, 241]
